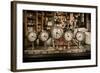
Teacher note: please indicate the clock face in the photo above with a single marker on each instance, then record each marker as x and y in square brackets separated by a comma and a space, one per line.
[57, 32]
[32, 36]
[44, 36]
[80, 36]
[68, 36]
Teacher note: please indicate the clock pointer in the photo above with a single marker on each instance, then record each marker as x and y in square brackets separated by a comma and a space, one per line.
[45, 36]
[33, 37]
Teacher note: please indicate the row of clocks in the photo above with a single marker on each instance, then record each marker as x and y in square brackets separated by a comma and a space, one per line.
[53, 29]
[56, 33]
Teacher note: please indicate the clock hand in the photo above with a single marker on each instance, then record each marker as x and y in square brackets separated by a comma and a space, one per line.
[45, 36]
[33, 37]
[67, 35]
[56, 34]
[79, 36]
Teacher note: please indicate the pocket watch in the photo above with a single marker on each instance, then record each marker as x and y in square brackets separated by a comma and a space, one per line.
[68, 35]
[44, 36]
[32, 36]
[80, 36]
[57, 32]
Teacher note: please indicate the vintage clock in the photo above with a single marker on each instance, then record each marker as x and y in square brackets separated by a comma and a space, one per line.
[32, 36]
[80, 36]
[44, 36]
[57, 32]
[68, 35]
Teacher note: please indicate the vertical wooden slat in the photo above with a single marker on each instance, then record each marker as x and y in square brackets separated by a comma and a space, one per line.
[42, 19]
[37, 21]
[25, 22]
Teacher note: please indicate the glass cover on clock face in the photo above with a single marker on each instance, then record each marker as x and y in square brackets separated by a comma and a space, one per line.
[57, 32]
[80, 36]
[68, 35]
[44, 35]
[32, 36]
